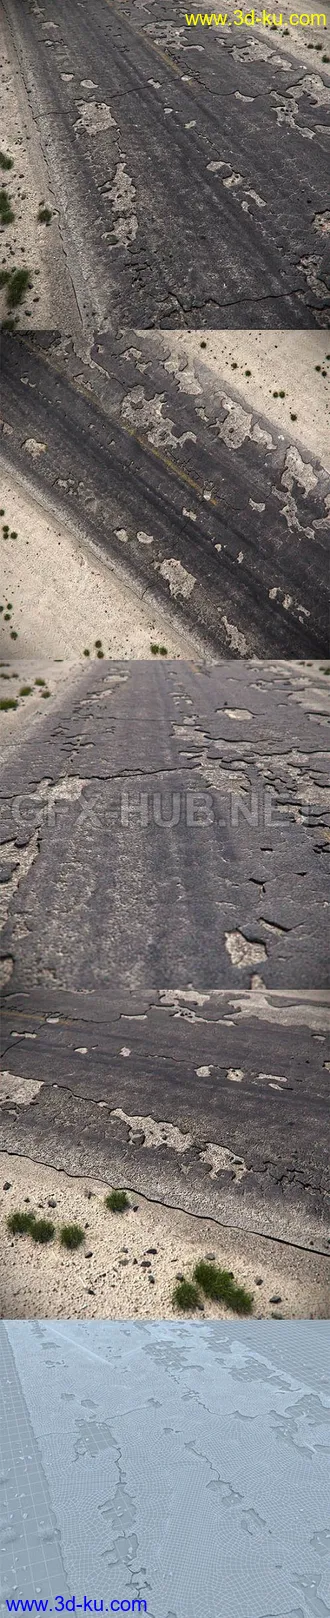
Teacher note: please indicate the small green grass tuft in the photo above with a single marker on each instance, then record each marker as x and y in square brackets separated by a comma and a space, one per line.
[44, 216]
[185, 1296]
[220, 1285]
[42, 1230]
[71, 1236]
[98, 643]
[13, 534]
[117, 1201]
[5, 161]
[7, 702]
[163, 651]
[18, 284]
[86, 652]
[40, 682]
[20, 1224]
[154, 648]
[45, 694]
[6, 212]
[25, 690]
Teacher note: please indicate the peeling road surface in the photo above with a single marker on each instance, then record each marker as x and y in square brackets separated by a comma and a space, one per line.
[188, 167]
[191, 495]
[163, 881]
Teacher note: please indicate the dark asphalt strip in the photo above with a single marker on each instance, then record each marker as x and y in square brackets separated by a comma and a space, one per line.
[246, 581]
[155, 236]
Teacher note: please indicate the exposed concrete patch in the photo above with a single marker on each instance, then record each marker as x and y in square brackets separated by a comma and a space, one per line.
[287, 1012]
[236, 426]
[180, 581]
[94, 117]
[219, 1158]
[237, 713]
[236, 640]
[299, 471]
[155, 1134]
[235, 1074]
[289, 511]
[185, 377]
[122, 194]
[170, 997]
[34, 448]
[242, 952]
[20, 1091]
[147, 415]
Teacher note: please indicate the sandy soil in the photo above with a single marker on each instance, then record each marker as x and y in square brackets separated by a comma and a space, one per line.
[307, 43]
[64, 597]
[25, 242]
[15, 676]
[278, 361]
[48, 1281]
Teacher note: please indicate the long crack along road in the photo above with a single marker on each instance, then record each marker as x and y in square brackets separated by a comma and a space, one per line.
[183, 843]
[160, 140]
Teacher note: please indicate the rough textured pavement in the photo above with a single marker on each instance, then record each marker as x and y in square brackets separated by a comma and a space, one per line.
[180, 819]
[160, 140]
[200, 500]
[148, 1033]
[157, 1458]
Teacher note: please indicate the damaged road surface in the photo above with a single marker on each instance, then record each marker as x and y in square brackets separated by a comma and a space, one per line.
[179, 819]
[199, 500]
[163, 872]
[188, 166]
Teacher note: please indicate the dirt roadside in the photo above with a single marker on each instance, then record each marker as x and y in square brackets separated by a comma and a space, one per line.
[28, 240]
[106, 1278]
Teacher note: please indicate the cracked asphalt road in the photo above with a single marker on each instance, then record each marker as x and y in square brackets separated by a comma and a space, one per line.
[152, 930]
[196, 498]
[160, 141]
[179, 819]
